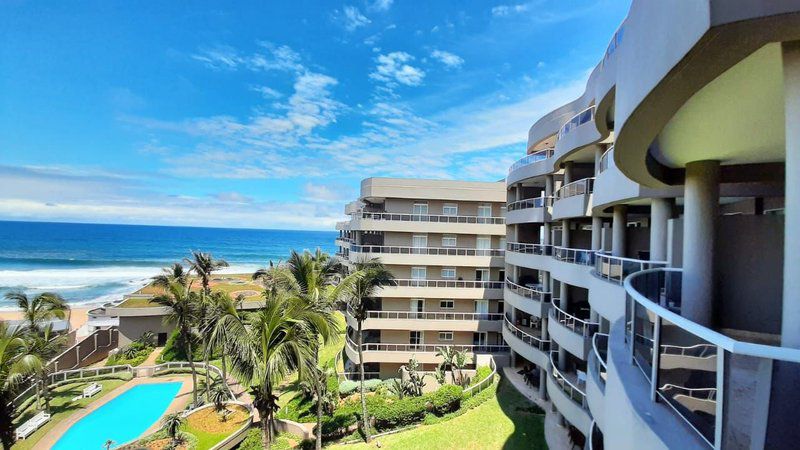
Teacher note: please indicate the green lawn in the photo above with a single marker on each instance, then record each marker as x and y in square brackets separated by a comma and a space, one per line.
[62, 407]
[504, 421]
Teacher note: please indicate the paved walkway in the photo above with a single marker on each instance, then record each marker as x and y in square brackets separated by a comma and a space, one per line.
[555, 435]
[151, 360]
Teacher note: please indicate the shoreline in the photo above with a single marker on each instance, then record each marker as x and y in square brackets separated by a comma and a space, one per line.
[77, 318]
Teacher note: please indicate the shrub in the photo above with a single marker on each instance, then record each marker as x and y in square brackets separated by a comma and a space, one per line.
[395, 413]
[333, 384]
[173, 350]
[134, 355]
[372, 385]
[446, 399]
[347, 387]
[480, 374]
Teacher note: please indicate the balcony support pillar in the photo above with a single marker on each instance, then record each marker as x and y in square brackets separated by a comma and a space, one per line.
[548, 186]
[542, 383]
[565, 233]
[701, 208]
[567, 173]
[597, 233]
[619, 227]
[790, 331]
[598, 154]
[660, 213]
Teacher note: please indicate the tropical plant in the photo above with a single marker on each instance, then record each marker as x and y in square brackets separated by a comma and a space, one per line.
[219, 396]
[182, 304]
[40, 308]
[11, 348]
[222, 312]
[440, 375]
[399, 387]
[315, 386]
[360, 287]
[108, 444]
[460, 360]
[172, 423]
[447, 353]
[416, 381]
[176, 273]
[203, 264]
[38, 350]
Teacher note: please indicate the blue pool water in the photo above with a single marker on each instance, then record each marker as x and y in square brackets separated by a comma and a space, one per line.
[123, 419]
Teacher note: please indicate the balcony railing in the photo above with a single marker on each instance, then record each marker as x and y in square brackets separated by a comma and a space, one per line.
[616, 268]
[538, 295]
[409, 282]
[435, 218]
[435, 315]
[533, 341]
[604, 160]
[574, 255]
[537, 156]
[531, 249]
[578, 326]
[574, 390]
[538, 202]
[597, 359]
[439, 251]
[425, 348]
[580, 187]
[577, 120]
[673, 354]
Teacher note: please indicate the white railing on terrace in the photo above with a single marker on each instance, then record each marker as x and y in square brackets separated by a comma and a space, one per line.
[410, 282]
[533, 341]
[574, 255]
[531, 249]
[486, 382]
[434, 315]
[436, 218]
[534, 293]
[574, 390]
[597, 359]
[577, 120]
[438, 251]
[537, 202]
[537, 156]
[425, 348]
[578, 326]
[616, 268]
[695, 351]
[604, 160]
[579, 187]
[698, 393]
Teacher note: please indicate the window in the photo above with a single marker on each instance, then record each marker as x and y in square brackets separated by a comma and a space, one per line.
[449, 273]
[419, 240]
[419, 273]
[417, 304]
[446, 304]
[484, 210]
[450, 209]
[449, 240]
[481, 274]
[415, 337]
[420, 208]
[445, 335]
[483, 243]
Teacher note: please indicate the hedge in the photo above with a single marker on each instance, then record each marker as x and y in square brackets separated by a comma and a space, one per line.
[348, 387]
[480, 374]
[446, 399]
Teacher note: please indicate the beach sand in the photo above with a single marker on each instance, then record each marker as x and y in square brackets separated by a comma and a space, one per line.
[77, 319]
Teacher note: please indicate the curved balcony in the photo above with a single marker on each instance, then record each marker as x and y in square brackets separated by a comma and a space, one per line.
[530, 166]
[533, 256]
[585, 116]
[596, 379]
[577, 133]
[530, 210]
[574, 199]
[452, 289]
[432, 256]
[531, 347]
[429, 223]
[616, 268]
[569, 396]
[570, 332]
[694, 371]
[401, 353]
[602, 166]
[579, 256]
[533, 300]
[612, 187]
[412, 320]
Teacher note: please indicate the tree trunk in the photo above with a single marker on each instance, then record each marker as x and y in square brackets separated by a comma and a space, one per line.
[224, 369]
[191, 367]
[208, 377]
[266, 438]
[319, 419]
[46, 394]
[364, 416]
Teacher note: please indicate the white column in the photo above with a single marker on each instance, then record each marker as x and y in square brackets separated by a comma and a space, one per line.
[660, 213]
[598, 153]
[597, 233]
[700, 211]
[618, 228]
[565, 233]
[548, 186]
[790, 327]
[567, 172]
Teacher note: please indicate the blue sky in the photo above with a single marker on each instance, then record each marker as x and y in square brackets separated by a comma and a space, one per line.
[268, 114]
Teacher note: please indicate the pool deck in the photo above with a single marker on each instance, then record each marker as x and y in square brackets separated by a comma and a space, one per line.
[183, 398]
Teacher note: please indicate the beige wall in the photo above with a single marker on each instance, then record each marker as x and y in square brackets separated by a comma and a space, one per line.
[432, 305]
[435, 239]
[435, 272]
[436, 207]
[131, 328]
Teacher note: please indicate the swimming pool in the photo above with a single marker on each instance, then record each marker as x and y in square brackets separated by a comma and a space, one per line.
[123, 419]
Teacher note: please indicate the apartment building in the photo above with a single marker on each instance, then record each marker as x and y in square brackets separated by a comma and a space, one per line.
[653, 234]
[444, 241]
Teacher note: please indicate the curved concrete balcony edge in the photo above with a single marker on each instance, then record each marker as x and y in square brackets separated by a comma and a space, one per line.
[530, 306]
[528, 215]
[578, 345]
[572, 412]
[528, 352]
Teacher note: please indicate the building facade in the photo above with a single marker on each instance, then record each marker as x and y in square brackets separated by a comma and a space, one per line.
[444, 242]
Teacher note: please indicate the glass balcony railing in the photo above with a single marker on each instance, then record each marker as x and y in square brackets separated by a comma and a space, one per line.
[605, 159]
[580, 187]
[616, 268]
[528, 338]
[534, 157]
[597, 359]
[531, 249]
[578, 326]
[430, 315]
[434, 218]
[575, 389]
[425, 348]
[410, 282]
[687, 366]
[440, 251]
[532, 292]
[579, 256]
[538, 202]
[577, 120]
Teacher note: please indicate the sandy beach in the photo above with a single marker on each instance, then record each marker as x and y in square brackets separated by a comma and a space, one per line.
[78, 316]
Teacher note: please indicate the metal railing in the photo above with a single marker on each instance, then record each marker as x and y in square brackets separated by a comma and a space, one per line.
[577, 120]
[607, 156]
[410, 282]
[579, 256]
[434, 315]
[483, 384]
[528, 292]
[573, 390]
[578, 326]
[616, 268]
[425, 348]
[580, 187]
[435, 218]
[597, 359]
[438, 251]
[530, 249]
[537, 156]
[536, 202]
[533, 341]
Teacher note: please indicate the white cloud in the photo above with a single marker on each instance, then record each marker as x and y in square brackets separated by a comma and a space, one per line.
[233, 197]
[507, 10]
[392, 68]
[267, 92]
[450, 60]
[351, 18]
[381, 5]
[276, 57]
[318, 192]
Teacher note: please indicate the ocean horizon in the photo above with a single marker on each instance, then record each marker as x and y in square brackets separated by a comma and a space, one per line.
[90, 264]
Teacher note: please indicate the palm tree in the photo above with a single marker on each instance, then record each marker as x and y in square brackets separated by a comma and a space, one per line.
[175, 273]
[182, 304]
[108, 444]
[362, 285]
[271, 343]
[11, 348]
[203, 264]
[172, 423]
[448, 355]
[222, 313]
[38, 350]
[460, 360]
[39, 309]
[315, 385]
[219, 395]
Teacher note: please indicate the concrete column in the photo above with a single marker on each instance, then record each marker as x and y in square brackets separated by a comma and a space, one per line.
[598, 153]
[565, 233]
[618, 229]
[542, 383]
[594, 316]
[548, 186]
[568, 172]
[700, 211]
[518, 192]
[546, 233]
[597, 233]
[660, 213]
[790, 330]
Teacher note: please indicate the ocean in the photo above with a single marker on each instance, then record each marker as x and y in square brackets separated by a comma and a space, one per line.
[89, 264]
